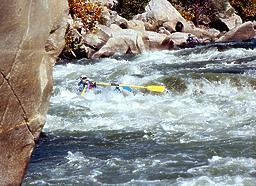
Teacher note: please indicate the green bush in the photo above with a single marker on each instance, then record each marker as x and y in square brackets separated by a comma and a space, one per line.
[129, 8]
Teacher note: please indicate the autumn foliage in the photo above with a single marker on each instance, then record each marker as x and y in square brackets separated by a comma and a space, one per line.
[245, 8]
[89, 12]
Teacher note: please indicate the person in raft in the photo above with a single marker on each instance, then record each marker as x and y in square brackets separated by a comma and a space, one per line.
[85, 83]
[192, 40]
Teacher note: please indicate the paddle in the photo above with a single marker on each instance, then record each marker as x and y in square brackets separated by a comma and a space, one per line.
[153, 88]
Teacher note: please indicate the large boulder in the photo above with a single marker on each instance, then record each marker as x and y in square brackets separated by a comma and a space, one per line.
[31, 36]
[243, 32]
[123, 41]
[179, 38]
[205, 35]
[162, 10]
[158, 12]
[231, 21]
[157, 41]
[226, 18]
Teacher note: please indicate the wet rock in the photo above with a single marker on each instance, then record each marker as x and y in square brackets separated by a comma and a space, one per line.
[27, 57]
[175, 84]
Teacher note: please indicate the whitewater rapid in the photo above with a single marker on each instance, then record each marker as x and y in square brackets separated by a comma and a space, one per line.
[202, 136]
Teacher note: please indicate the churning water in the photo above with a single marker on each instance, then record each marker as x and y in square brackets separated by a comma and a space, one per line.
[204, 134]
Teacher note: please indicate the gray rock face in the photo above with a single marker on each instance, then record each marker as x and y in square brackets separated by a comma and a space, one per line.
[31, 36]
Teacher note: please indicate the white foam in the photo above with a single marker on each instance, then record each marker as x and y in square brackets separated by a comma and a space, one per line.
[206, 111]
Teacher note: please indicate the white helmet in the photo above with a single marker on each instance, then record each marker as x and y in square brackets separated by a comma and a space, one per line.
[83, 77]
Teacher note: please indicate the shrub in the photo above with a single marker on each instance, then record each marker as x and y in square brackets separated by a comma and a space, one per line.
[245, 8]
[89, 12]
[129, 8]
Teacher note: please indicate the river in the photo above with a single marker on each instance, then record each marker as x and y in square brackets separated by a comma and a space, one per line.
[201, 134]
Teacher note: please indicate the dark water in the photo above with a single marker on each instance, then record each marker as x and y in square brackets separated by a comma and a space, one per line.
[202, 135]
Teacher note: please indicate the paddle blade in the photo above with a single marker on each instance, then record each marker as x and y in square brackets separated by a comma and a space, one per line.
[155, 88]
[103, 84]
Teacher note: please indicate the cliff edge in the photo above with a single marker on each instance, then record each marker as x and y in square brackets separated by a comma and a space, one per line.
[31, 37]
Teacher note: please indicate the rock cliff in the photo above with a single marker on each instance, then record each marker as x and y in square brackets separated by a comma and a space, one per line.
[31, 36]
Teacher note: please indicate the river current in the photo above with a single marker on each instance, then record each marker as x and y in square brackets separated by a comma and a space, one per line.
[204, 134]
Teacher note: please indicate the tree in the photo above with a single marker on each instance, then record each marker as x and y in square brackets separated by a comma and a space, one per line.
[89, 12]
[245, 8]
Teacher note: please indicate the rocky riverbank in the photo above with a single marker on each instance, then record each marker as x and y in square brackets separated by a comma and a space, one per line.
[160, 27]
[32, 36]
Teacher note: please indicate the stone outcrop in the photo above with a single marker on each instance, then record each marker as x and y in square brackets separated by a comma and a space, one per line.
[158, 12]
[232, 21]
[226, 17]
[31, 36]
[123, 41]
[163, 11]
[243, 32]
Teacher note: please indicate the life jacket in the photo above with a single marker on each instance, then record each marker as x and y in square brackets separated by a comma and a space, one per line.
[89, 86]
[190, 39]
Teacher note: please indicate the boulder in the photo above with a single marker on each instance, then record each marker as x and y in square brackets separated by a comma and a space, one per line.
[115, 29]
[170, 26]
[31, 36]
[151, 25]
[157, 12]
[226, 18]
[106, 15]
[205, 35]
[136, 25]
[157, 41]
[103, 32]
[162, 30]
[118, 20]
[179, 38]
[243, 32]
[232, 21]
[123, 41]
[162, 10]
[108, 3]
[94, 41]
[254, 24]
[86, 51]
[112, 47]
